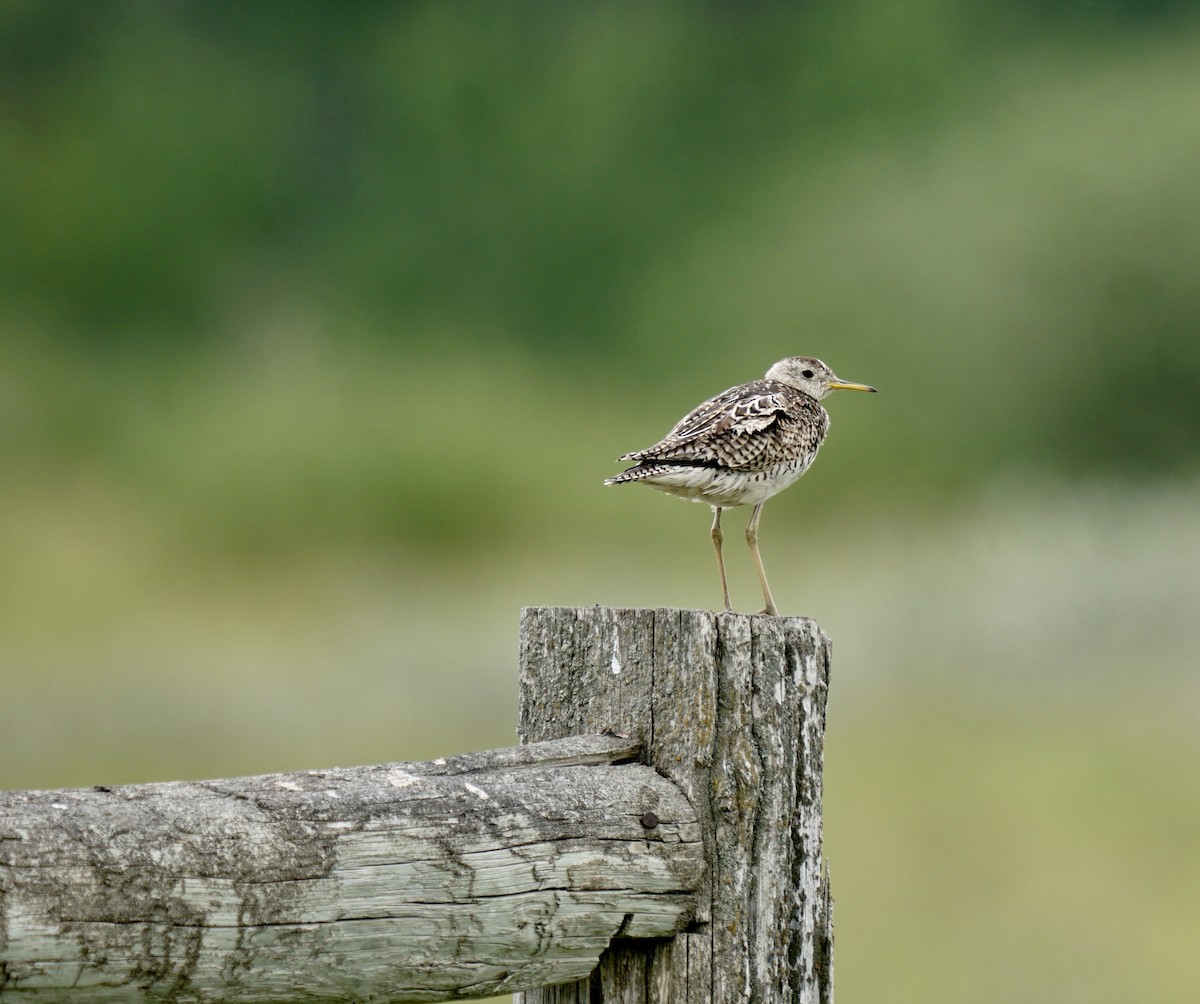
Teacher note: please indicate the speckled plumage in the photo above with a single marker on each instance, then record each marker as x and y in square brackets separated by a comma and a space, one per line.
[743, 446]
[738, 448]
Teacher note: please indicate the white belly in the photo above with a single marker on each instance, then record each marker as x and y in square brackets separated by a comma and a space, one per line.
[724, 488]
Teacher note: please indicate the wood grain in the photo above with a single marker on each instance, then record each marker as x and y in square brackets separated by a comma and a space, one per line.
[464, 877]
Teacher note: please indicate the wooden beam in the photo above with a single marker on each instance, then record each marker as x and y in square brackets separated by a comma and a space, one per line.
[464, 877]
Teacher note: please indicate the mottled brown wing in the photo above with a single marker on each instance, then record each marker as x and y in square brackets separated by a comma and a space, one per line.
[748, 407]
[748, 427]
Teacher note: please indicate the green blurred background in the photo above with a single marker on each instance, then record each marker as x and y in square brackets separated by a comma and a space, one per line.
[321, 324]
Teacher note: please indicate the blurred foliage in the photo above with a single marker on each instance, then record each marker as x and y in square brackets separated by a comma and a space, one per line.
[523, 172]
[321, 323]
[989, 210]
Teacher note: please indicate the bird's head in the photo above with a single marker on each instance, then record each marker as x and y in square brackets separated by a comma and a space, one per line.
[811, 376]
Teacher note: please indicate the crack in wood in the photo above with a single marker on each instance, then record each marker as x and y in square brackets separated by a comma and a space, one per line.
[733, 715]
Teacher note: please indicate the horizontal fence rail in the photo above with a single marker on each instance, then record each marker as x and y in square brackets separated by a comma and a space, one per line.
[465, 877]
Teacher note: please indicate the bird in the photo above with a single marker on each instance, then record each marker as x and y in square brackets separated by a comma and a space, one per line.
[742, 447]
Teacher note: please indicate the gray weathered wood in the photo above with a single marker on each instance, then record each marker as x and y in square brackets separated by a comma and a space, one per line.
[463, 877]
[732, 709]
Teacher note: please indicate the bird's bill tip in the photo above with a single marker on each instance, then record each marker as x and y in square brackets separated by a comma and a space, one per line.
[846, 385]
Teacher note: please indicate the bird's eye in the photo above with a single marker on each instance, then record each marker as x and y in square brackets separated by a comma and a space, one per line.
[807, 374]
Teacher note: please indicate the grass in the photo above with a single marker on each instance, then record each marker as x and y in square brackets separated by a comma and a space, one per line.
[979, 855]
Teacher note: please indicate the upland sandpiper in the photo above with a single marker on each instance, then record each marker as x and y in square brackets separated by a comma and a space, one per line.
[743, 446]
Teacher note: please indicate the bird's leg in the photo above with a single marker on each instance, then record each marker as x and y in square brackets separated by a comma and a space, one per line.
[717, 538]
[752, 540]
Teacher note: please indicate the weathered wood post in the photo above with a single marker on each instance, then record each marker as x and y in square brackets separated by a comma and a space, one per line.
[731, 708]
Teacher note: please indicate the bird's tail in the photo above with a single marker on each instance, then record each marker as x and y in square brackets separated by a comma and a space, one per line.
[651, 469]
[633, 474]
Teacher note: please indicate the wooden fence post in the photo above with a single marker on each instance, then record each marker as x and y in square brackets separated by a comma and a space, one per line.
[731, 708]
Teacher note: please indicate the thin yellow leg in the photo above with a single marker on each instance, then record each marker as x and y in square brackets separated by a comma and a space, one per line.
[752, 540]
[717, 538]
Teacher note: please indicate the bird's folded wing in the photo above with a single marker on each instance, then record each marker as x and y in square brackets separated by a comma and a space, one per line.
[733, 429]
